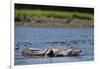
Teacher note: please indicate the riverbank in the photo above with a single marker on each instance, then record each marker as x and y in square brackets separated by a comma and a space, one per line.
[45, 18]
[53, 22]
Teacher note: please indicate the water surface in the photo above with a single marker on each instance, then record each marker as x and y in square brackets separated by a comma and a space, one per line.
[36, 37]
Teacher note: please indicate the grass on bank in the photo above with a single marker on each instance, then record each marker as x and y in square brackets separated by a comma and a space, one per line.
[55, 14]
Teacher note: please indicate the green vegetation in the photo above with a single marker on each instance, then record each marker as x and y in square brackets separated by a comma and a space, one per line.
[55, 14]
[51, 18]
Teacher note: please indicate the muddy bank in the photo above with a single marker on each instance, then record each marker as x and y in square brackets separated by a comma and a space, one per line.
[23, 20]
